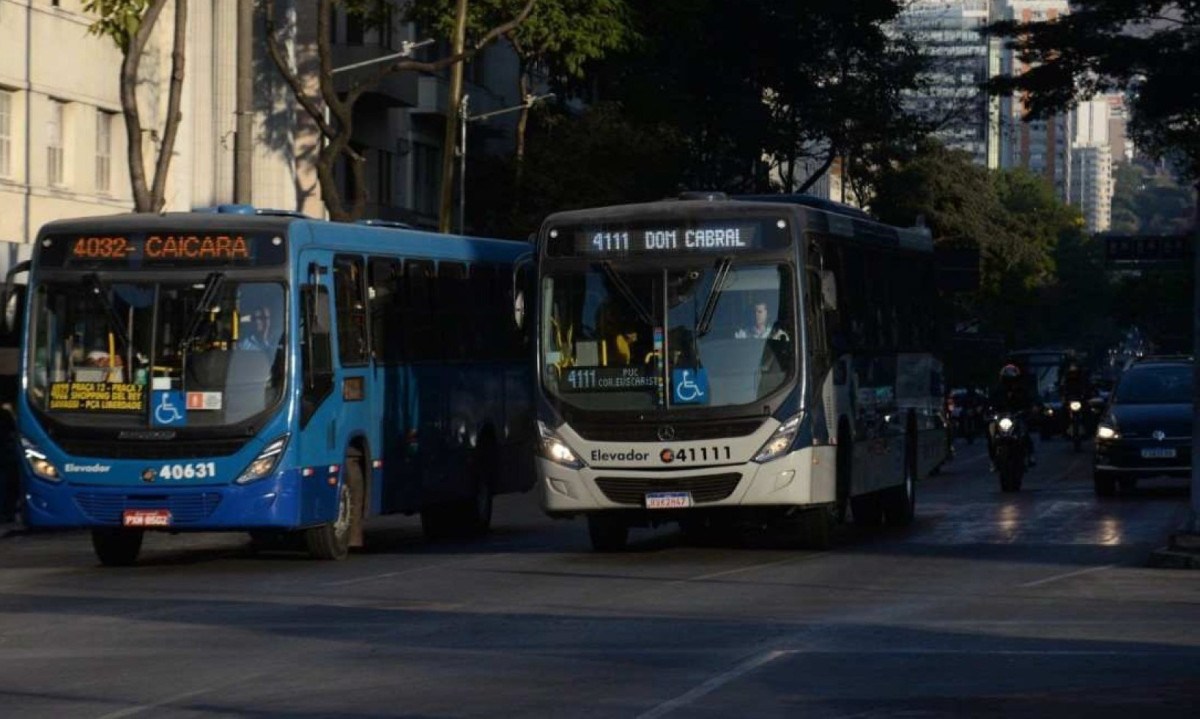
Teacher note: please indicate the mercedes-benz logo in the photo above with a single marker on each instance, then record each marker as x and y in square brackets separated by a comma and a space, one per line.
[666, 433]
[1159, 435]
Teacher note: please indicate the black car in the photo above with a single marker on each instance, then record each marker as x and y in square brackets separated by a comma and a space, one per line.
[1146, 430]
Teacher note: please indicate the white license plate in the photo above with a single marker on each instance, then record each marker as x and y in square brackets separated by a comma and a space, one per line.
[146, 518]
[1158, 453]
[668, 500]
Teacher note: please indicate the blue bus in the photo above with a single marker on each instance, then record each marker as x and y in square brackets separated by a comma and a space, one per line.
[243, 370]
[723, 361]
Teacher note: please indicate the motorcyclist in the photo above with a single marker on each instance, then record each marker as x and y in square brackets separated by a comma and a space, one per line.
[1011, 396]
[1074, 384]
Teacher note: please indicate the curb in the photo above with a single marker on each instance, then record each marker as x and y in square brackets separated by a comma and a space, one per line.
[1174, 558]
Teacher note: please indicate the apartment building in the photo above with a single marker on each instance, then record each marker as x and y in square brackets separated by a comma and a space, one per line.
[1091, 164]
[1042, 146]
[63, 140]
[962, 57]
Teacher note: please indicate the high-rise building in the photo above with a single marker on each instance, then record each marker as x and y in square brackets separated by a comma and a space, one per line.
[1091, 187]
[1042, 146]
[961, 57]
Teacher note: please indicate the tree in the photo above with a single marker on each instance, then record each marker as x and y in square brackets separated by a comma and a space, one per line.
[555, 42]
[1148, 48]
[337, 131]
[129, 24]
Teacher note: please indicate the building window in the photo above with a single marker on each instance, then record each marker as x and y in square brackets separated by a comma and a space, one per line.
[54, 144]
[354, 29]
[6, 113]
[104, 124]
[427, 184]
[383, 182]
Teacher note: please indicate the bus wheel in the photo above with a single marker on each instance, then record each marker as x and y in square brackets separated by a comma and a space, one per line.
[867, 509]
[608, 534]
[332, 540]
[117, 547]
[899, 502]
[812, 528]
[475, 514]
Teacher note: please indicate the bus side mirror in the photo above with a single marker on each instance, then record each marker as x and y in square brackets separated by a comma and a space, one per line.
[520, 281]
[828, 290]
[519, 309]
[14, 298]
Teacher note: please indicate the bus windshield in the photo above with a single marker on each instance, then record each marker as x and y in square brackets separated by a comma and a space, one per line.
[98, 351]
[717, 333]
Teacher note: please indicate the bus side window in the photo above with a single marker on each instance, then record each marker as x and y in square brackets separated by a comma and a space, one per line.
[483, 315]
[316, 350]
[383, 294]
[419, 342]
[451, 306]
[351, 310]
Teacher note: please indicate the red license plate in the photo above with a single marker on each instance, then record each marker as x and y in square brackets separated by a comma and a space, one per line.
[147, 518]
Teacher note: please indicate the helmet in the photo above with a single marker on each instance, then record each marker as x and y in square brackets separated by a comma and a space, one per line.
[1009, 372]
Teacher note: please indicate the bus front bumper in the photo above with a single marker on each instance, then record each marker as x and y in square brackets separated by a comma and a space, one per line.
[275, 502]
[805, 477]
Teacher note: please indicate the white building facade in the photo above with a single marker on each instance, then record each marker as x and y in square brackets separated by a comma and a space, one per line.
[1091, 164]
[63, 140]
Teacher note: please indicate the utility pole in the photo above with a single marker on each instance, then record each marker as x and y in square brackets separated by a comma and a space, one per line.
[243, 148]
[452, 109]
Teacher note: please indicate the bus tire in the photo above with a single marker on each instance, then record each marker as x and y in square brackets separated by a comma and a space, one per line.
[117, 547]
[900, 502]
[843, 471]
[475, 514]
[815, 529]
[867, 509]
[331, 541]
[608, 534]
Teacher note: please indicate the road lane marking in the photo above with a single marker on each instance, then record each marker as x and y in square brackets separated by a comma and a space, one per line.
[714, 683]
[752, 567]
[1057, 577]
[131, 711]
[388, 575]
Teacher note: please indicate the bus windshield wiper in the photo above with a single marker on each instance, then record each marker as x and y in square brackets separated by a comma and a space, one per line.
[207, 299]
[92, 282]
[714, 293]
[627, 293]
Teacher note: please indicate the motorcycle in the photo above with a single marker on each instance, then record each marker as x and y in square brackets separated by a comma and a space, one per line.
[1009, 446]
[1076, 427]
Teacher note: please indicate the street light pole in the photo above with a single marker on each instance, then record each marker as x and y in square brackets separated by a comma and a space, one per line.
[464, 118]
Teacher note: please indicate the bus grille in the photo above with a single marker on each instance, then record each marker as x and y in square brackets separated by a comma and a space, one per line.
[683, 432]
[109, 508]
[127, 449]
[632, 490]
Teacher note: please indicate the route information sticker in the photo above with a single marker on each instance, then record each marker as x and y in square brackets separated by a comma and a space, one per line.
[97, 397]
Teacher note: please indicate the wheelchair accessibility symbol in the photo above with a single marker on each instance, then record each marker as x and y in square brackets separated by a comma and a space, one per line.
[689, 386]
[168, 408]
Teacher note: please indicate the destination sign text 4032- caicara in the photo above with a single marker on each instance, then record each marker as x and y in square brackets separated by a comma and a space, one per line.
[182, 247]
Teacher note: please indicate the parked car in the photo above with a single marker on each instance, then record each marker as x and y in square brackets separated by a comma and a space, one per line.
[1146, 429]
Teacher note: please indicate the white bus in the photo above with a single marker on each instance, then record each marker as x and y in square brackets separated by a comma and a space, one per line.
[721, 361]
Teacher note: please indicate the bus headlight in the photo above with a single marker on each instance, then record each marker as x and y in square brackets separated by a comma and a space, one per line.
[555, 449]
[38, 464]
[1076, 405]
[1106, 432]
[265, 462]
[780, 442]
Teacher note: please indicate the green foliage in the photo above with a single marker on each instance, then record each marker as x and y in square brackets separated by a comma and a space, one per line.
[1035, 260]
[596, 158]
[1149, 48]
[116, 19]
[1145, 202]
[559, 36]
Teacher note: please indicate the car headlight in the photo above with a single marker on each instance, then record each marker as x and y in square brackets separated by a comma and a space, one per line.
[1006, 424]
[38, 463]
[779, 442]
[266, 461]
[1076, 406]
[555, 449]
[1105, 431]
[1049, 412]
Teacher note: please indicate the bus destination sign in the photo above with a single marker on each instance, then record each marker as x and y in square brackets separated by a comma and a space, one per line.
[181, 249]
[719, 237]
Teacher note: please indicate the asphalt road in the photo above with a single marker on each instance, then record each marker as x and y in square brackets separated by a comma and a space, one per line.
[1036, 604]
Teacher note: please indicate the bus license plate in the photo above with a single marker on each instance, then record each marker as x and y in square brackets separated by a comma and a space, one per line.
[668, 500]
[1158, 453]
[147, 518]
